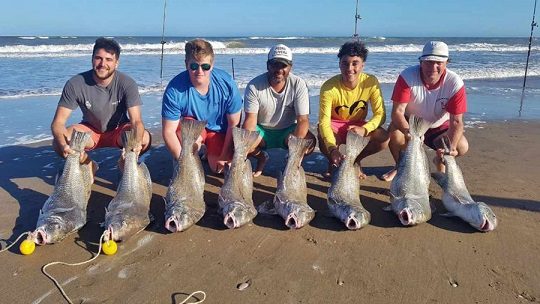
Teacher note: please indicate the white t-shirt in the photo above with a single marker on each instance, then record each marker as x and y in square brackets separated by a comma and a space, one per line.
[276, 110]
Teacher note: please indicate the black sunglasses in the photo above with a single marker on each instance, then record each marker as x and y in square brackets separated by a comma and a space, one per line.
[195, 66]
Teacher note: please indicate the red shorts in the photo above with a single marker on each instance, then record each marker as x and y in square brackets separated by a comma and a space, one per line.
[432, 134]
[340, 128]
[213, 140]
[106, 139]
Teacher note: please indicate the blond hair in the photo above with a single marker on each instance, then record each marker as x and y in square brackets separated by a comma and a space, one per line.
[198, 48]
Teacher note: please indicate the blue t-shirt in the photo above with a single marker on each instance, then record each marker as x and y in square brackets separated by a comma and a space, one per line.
[181, 99]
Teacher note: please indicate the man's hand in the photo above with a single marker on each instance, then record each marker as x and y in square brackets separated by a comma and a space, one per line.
[66, 150]
[220, 165]
[336, 157]
[358, 130]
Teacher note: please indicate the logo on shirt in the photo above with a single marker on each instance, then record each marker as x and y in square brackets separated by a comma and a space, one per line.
[114, 103]
[88, 104]
[440, 106]
[346, 111]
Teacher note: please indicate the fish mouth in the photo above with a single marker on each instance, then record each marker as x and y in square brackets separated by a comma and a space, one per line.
[230, 221]
[292, 221]
[486, 226]
[352, 223]
[405, 217]
[172, 225]
[109, 234]
[40, 237]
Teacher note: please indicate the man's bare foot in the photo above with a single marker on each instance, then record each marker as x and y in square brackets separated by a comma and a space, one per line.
[389, 176]
[262, 157]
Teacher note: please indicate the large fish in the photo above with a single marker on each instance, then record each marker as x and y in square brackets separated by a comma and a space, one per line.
[344, 194]
[65, 210]
[290, 201]
[184, 202]
[235, 197]
[409, 189]
[457, 200]
[129, 211]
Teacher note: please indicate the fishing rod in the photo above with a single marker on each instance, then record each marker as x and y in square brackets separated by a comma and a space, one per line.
[533, 25]
[162, 42]
[356, 18]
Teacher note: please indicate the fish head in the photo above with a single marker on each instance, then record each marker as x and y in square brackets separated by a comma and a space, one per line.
[412, 212]
[481, 217]
[179, 219]
[51, 230]
[298, 216]
[357, 218]
[236, 214]
[123, 226]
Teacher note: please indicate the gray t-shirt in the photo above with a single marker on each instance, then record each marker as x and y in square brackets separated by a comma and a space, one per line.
[276, 110]
[103, 108]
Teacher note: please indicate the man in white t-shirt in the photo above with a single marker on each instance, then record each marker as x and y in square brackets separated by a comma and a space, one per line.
[276, 104]
[433, 92]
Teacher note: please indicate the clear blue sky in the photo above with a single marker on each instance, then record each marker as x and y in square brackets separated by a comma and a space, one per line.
[441, 18]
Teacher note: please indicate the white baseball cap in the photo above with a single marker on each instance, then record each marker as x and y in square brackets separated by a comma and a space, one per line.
[281, 53]
[435, 51]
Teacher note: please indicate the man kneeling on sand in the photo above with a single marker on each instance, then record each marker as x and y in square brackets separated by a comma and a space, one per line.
[109, 101]
[431, 91]
[276, 105]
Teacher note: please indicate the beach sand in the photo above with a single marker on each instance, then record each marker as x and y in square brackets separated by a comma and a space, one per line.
[442, 261]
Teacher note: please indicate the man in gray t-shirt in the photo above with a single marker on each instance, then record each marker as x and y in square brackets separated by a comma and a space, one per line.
[109, 101]
[276, 104]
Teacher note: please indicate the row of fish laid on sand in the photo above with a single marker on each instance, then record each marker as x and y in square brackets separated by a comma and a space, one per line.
[128, 212]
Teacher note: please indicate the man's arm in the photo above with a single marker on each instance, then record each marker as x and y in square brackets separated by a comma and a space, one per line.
[172, 142]
[250, 123]
[59, 130]
[302, 126]
[137, 125]
[455, 131]
[398, 117]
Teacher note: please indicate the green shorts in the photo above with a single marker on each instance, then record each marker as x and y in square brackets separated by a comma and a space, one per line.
[275, 138]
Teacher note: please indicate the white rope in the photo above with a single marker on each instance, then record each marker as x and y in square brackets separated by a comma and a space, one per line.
[15, 242]
[192, 294]
[69, 264]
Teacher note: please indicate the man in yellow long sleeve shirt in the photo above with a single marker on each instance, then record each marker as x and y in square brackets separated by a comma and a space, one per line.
[344, 103]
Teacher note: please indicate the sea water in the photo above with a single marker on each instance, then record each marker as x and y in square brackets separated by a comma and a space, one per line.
[35, 69]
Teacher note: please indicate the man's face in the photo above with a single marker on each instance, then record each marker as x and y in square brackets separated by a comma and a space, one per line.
[432, 71]
[104, 64]
[350, 67]
[277, 72]
[200, 69]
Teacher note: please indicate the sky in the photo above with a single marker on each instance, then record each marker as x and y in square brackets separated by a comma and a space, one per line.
[214, 18]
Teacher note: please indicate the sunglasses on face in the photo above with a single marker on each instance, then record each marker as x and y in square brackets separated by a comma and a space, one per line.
[195, 66]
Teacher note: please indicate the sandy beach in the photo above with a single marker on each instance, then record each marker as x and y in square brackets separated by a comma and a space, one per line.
[442, 261]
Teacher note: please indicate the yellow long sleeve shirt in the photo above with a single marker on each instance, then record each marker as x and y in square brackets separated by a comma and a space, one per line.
[338, 102]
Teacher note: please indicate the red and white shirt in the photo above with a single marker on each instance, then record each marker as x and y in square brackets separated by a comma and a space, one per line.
[436, 104]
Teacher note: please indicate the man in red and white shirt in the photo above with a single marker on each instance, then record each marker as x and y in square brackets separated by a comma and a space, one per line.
[433, 92]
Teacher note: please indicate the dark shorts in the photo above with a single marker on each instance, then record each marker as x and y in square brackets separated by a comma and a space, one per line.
[432, 134]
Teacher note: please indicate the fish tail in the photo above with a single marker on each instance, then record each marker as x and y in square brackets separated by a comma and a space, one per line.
[243, 139]
[129, 141]
[298, 146]
[418, 126]
[78, 140]
[355, 143]
[191, 130]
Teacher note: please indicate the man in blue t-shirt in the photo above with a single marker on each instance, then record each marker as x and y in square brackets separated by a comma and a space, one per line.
[202, 92]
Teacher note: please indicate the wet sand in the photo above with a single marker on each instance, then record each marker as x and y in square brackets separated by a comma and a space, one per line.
[441, 261]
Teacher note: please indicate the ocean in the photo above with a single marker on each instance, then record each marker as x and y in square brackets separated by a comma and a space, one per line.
[35, 68]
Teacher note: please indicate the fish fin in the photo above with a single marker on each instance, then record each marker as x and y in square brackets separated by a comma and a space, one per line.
[129, 141]
[244, 139]
[61, 210]
[78, 140]
[355, 143]
[267, 207]
[298, 146]
[418, 126]
[388, 208]
[151, 216]
[191, 130]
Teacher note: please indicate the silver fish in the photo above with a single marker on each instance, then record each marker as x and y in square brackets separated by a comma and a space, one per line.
[184, 202]
[290, 201]
[235, 197]
[65, 210]
[457, 200]
[344, 194]
[129, 211]
[409, 190]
